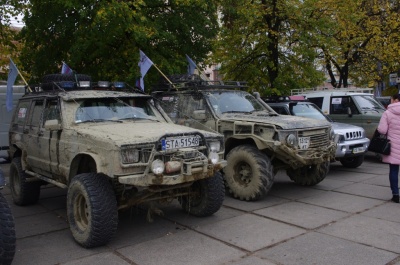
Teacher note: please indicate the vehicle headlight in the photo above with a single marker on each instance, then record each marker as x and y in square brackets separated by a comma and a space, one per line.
[157, 167]
[332, 134]
[130, 156]
[291, 140]
[214, 157]
[215, 146]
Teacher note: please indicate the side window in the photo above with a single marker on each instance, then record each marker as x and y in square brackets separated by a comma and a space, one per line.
[317, 101]
[35, 117]
[340, 105]
[52, 111]
[280, 110]
[21, 113]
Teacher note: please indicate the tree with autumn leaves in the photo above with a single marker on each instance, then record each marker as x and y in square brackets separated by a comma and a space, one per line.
[275, 45]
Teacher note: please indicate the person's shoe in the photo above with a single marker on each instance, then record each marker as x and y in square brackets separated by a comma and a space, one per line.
[395, 198]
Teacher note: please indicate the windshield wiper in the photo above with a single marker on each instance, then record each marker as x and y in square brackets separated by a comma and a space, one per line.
[98, 120]
[237, 111]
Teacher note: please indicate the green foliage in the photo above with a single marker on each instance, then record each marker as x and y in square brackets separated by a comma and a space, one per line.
[262, 42]
[102, 38]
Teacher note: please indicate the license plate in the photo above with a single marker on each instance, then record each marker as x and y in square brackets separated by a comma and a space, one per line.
[304, 142]
[358, 150]
[180, 142]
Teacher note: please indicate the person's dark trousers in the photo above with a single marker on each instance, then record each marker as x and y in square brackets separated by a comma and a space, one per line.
[393, 178]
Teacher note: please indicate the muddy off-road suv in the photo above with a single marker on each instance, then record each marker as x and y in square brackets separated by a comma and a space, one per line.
[111, 149]
[258, 141]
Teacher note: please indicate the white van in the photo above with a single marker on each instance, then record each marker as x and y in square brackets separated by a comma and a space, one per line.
[360, 109]
[5, 116]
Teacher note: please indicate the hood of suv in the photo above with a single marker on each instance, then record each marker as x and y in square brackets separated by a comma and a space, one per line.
[285, 122]
[134, 132]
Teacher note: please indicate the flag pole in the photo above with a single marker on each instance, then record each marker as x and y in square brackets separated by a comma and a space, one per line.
[23, 79]
[163, 74]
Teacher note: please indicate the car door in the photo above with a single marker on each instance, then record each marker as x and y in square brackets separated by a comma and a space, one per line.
[339, 110]
[36, 149]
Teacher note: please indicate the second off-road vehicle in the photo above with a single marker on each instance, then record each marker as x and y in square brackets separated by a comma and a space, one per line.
[258, 141]
[111, 149]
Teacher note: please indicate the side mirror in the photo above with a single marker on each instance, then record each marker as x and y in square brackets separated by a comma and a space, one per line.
[199, 114]
[52, 125]
[349, 112]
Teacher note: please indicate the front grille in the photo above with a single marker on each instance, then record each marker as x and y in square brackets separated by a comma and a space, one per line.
[318, 138]
[353, 135]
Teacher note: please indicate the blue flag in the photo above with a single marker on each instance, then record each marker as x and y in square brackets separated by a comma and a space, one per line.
[191, 66]
[66, 69]
[12, 75]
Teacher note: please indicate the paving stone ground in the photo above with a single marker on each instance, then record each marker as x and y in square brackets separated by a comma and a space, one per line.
[346, 219]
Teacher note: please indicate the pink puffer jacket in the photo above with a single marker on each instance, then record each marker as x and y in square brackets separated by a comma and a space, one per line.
[390, 125]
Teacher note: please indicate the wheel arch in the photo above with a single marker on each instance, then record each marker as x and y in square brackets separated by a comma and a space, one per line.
[233, 142]
[84, 163]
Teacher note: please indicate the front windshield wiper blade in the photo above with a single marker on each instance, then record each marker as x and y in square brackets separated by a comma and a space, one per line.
[138, 118]
[98, 120]
[237, 111]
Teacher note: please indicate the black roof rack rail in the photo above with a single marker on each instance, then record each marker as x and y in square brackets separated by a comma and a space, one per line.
[195, 82]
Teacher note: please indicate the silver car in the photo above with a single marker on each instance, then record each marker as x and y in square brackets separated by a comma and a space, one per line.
[352, 144]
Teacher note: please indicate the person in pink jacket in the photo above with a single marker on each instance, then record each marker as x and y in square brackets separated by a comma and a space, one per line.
[390, 125]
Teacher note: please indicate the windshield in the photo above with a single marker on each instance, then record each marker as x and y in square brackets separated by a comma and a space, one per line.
[307, 111]
[233, 101]
[368, 102]
[113, 109]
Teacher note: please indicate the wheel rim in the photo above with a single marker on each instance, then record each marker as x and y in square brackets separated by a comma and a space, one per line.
[243, 173]
[16, 183]
[81, 212]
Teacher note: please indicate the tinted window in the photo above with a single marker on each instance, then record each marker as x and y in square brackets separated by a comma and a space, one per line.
[317, 101]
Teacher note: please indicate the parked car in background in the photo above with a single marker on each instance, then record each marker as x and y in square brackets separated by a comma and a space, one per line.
[385, 101]
[360, 109]
[352, 143]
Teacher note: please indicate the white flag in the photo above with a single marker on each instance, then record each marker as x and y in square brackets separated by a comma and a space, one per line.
[145, 63]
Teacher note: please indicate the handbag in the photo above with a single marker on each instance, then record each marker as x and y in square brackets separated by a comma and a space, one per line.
[379, 144]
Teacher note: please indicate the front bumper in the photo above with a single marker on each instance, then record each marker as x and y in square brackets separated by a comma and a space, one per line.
[190, 171]
[300, 158]
[352, 148]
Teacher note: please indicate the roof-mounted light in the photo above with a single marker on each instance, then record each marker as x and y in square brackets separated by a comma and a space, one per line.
[103, 84]
[84, 83]
[67, 84]
[119, 84]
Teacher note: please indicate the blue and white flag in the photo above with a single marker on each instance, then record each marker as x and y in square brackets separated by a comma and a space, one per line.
[66, 69]
[145, 63]
[12, 75]
[191, 66]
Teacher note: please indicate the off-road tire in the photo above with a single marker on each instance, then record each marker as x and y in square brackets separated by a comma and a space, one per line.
[92, 209]
[352, 162]
[49, 80]
[309, 175]
[23, 191]
[206, 196]
[249, 174]
[7, 233]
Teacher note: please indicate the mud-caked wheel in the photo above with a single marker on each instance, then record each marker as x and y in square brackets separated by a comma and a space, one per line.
[92, 209]
[7, 233]
[309, 175]
[23, 191]
[249, 174]
[205, 197]
[352, 162]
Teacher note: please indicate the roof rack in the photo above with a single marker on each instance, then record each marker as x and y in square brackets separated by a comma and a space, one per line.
[276, 98]
[195, 82]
